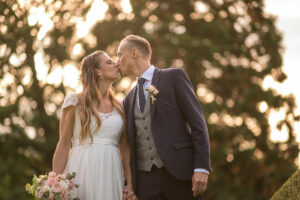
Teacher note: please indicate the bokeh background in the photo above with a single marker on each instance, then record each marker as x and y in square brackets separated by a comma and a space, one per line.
[241, 57]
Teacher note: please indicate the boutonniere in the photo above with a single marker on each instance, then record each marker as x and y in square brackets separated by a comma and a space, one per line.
[153, 91]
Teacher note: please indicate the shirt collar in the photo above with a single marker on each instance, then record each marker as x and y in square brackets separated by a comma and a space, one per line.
[148, 74]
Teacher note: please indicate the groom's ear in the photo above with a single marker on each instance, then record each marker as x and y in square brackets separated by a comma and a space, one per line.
[135, 53]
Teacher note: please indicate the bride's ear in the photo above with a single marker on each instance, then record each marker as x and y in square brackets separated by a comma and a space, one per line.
[99, 73]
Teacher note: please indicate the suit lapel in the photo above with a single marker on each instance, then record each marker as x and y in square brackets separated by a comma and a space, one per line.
[155, 82]
[131, 113]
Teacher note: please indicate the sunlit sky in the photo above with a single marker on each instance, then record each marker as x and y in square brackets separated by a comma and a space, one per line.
[288, 23]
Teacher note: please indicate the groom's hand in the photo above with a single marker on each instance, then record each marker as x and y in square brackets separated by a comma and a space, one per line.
[128, 194]
[199, 183]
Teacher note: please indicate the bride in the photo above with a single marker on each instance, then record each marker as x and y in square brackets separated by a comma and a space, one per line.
[92, 127]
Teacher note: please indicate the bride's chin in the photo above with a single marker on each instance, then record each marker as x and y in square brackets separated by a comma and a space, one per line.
[117, 78]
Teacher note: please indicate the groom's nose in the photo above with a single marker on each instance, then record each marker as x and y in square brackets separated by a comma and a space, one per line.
[117, 66]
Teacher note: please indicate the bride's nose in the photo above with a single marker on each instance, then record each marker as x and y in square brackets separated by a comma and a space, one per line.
[116, 65]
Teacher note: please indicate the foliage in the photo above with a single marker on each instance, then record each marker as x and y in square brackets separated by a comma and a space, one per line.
[290, 190]
[226, 47]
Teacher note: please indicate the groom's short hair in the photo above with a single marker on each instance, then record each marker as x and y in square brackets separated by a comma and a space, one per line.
[134, 41]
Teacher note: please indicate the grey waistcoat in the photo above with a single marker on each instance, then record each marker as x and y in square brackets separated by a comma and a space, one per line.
[146, 152]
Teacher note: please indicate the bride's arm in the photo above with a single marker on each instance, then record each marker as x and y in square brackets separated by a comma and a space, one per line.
[125, 153]
[61, 154]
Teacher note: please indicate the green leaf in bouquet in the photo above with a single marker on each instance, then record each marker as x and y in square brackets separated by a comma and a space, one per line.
[46, 194]
[56, 196]
[70, 176]
[35, 180]
[32, 189]
[44, 177]
[28, 188]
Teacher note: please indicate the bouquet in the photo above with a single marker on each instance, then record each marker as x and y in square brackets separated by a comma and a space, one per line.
[53, 187]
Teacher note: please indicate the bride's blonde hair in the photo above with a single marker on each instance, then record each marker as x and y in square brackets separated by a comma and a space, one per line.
[90, 97]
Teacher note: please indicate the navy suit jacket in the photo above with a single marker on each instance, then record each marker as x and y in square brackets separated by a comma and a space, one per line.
[178, 126]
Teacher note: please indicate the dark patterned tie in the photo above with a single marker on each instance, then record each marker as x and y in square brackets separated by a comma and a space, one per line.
[142, 99]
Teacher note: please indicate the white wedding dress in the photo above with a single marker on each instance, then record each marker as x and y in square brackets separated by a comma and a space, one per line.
[97, 163]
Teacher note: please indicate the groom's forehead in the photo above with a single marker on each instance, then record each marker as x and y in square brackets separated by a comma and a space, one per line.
[122, 46]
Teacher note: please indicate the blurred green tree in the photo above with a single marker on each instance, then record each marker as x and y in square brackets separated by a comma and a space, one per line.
[226, 47]
[28, 118]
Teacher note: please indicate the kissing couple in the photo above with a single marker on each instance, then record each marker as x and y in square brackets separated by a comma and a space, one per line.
[152, 146]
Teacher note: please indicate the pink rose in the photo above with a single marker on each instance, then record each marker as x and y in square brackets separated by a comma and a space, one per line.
[64, 195]
[72, 183]
[43, 182]
[40, 194]
[60, 177]
[73, 180]
[50, 181]
[56, 187]
[64, 185]
[51, 196]
[52, 174]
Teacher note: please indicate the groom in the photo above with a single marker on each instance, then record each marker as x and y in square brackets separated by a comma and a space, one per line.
[167, 132]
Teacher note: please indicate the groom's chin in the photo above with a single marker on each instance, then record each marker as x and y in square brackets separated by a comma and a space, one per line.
[123, 73]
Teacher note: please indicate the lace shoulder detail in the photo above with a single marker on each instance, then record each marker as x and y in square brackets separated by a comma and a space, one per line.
[70, 100]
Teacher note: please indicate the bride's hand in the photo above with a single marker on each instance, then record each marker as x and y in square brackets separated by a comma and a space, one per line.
[132, 197]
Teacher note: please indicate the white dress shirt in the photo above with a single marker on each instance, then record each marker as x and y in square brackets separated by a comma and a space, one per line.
[148, 75]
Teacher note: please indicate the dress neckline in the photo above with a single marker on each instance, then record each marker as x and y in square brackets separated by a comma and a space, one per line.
[101, 113]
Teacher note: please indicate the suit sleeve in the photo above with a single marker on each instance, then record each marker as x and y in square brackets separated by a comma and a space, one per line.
[192, 112]
[125, 107]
